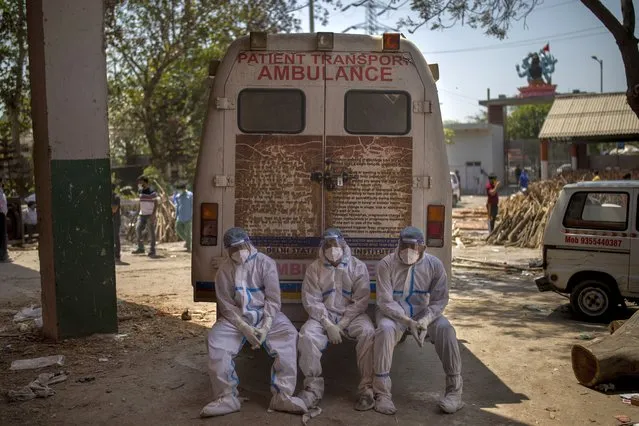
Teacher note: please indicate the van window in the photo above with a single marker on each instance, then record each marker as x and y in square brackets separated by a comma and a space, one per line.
[377, 112]
[271, 111]
[597, 210]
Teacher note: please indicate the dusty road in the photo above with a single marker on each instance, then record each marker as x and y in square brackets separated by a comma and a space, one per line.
[515, 346]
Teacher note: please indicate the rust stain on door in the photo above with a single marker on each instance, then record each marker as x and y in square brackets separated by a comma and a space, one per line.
[274, 195]
[377, 204]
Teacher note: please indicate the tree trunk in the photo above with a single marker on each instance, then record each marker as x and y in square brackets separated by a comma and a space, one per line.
[614, 356]
[624, 34]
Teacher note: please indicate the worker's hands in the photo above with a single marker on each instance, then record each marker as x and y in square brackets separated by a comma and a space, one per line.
[333, 331]
[250, 333]
[342, 324]
[262, 332]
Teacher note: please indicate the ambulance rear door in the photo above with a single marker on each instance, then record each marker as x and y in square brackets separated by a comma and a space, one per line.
[370, 132]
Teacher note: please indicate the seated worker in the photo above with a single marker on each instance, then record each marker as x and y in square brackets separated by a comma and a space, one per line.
[247, 288]
[412, 292]
[335, 293]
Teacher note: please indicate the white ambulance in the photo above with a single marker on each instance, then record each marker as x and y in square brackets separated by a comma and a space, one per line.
[310, 131]
[591, 247]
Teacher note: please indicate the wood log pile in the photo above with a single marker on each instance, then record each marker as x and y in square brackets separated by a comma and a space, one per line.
[522, 218]
[164, 219]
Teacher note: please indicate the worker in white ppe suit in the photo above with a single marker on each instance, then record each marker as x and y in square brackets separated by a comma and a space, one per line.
[335, 294]
[412, 292]
[248, 301]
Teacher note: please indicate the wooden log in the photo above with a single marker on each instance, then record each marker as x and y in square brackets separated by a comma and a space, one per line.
[612, 357]
[614, 326]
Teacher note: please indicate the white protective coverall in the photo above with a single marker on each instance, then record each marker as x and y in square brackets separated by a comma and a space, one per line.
[249, 292]
[418, 292]
[340, 295]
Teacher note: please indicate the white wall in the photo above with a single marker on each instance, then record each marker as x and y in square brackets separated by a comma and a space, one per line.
[482, 143]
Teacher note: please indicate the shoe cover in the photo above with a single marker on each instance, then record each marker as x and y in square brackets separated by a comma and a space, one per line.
[384, 405]
[288, 404]
[221, 406]
[309, 398]
[365, 401]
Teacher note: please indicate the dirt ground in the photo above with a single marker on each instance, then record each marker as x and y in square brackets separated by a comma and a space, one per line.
[515, 345]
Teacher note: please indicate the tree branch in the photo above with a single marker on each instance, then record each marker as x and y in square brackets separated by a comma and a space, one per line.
[628, 14]
[607, 18]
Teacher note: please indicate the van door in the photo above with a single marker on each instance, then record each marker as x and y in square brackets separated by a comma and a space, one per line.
[633, 279]
[274, 141]
[370, 126]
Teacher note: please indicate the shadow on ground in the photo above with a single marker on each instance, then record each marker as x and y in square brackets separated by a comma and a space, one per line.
[156, 373]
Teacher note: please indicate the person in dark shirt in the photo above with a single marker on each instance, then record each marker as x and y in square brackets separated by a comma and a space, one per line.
[117, 220]
[492, 203]
[517, 173]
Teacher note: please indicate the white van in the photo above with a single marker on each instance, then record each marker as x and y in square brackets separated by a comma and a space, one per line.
[454, 182]
[309, 131]
[591, 247]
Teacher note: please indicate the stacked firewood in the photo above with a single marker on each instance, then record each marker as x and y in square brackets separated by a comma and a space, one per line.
[522, 217]
[164, 219]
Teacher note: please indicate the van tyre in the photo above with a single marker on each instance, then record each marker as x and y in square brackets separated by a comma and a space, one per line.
[593, 300]
[455, 200]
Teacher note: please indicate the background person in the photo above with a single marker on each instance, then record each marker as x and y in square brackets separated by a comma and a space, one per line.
[4, 238]
[183, 202]
[146, 217]
[492, 202]
[30, 220]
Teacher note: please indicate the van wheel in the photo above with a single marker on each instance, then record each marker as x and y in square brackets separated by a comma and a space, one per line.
[455, 200]
[593, 300]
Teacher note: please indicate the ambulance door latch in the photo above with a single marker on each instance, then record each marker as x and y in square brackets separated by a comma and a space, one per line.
[423, 182]
[224, 103]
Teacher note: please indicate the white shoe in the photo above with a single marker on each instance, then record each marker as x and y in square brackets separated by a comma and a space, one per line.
[221, 406]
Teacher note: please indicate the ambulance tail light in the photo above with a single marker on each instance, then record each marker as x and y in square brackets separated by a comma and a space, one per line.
[435, 221]
[390, 41]
[257, 40]
[208, 224]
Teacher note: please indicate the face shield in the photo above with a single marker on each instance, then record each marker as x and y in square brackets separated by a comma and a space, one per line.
[411, 245]
[333, 245]
[238, 244]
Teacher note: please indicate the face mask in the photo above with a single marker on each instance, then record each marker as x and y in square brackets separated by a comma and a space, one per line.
[334, 254]
[140, 187]
[240, 256]
[409, 256]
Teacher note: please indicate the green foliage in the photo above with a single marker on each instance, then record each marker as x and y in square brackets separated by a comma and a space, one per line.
[158, 56]
[480, 117]
[494, 17]
[525, 122]
[449, 135]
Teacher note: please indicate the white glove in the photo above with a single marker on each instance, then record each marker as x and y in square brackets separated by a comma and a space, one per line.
[333, 331]
[413, 327]
[262, 332]
[249, 332]
[423, 328]
[342, 324]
